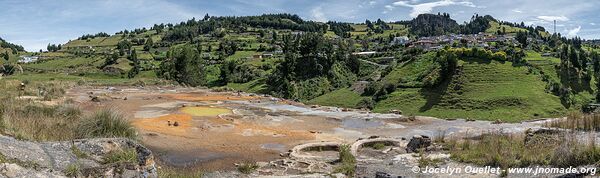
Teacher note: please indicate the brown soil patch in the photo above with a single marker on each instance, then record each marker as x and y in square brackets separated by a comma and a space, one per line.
[160, 124]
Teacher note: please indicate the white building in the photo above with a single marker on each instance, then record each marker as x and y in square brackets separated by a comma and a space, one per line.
[401, 40]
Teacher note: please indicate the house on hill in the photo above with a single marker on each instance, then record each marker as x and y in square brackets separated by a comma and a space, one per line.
[28, 59]
[401, 40]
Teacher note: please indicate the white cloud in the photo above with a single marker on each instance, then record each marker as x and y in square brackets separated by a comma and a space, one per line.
[372, 2]
[428, 7]
[517, 11]
[573, 32]
[553, 18]
[318, 15]
[592, 23]
[389, 7]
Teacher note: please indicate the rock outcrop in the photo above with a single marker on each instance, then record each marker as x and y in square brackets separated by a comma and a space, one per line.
[418, 142]
[84, 158]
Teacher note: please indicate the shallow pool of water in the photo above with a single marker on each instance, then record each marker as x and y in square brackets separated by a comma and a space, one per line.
[361, 123]
[205, 111]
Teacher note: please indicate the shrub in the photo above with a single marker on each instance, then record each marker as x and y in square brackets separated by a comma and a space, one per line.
[347, 161]
[105, 123]
[247, 168]
[367, 103]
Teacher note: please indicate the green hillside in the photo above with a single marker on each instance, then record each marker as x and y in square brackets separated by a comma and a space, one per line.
[321, 63]
[485, 90]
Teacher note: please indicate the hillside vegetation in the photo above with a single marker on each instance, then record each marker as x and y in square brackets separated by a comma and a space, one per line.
[320, 63]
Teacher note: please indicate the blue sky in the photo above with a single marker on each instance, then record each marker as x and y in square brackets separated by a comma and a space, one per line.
[34, 24]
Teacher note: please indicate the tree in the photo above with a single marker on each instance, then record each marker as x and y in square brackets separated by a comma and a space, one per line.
[522, 38]
[206, 17]
[184, 65]
[369, 24]
[6, 56]
[136, 65]
[123, 46]
[148, 45]
[112, 59]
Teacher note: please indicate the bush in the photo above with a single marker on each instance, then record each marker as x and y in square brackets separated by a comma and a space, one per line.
[105, 123]
[347, 161]
[367, 103]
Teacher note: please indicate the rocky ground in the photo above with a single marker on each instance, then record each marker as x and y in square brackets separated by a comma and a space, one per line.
[56, 159]
[216, 131]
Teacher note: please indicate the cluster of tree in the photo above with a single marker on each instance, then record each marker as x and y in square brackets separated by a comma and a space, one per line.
[227, 47]
[378, 27]
[340, 29]
[477, 24]
[433, 25]
[90, 36]
[5, 55]
[53, 47]
[595, 57]
[15, 48]
[186, 31]
[124, 47]
[312, 66]
[236, 71]
[136, 31]
[185, 65]
[574, 71]
[149, 44]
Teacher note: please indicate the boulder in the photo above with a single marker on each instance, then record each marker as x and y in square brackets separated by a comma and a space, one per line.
[418, 142]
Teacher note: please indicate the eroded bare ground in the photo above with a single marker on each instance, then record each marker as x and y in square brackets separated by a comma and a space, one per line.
[198, 128]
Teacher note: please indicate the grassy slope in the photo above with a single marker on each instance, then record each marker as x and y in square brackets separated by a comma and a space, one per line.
[490, 91]
[343, 98]
[410, 71]
[495, 26]
[255, 86]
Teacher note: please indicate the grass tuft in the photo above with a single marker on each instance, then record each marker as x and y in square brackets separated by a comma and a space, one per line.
[347, 161]
[77, 152]
[509, 151]
[121, 156]
[105, 123]
[73, 170]
[247, 168]
[179, 173]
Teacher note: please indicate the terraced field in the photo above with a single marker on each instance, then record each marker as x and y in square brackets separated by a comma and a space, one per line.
[487, 90]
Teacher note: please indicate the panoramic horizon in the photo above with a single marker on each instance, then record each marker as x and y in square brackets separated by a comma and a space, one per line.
[290, 88]
[56, 22]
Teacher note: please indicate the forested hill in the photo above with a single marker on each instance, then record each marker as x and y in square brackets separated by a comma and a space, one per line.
[8, 51]
[493, 70]
[433, 25]
[9, 46]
